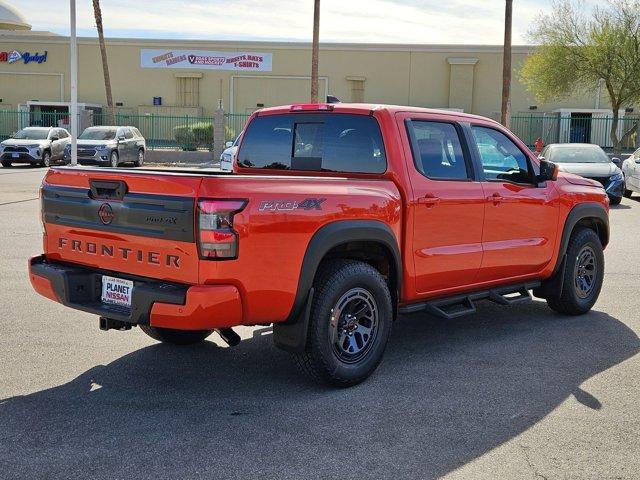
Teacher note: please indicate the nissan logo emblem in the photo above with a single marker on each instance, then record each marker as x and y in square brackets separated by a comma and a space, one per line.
[106, 213]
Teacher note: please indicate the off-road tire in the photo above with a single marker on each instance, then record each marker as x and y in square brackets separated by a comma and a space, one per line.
[627, 193]
[569, 302]
[176, 337]
[615, 200]
[334, 280]
[6, 163]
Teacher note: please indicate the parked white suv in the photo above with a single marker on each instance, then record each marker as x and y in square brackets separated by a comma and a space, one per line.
[631, 172]
[35, 145]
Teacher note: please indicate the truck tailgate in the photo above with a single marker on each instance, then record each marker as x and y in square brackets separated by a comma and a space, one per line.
[136, 223]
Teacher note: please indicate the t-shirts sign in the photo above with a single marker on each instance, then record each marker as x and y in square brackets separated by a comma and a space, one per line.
[201, 59]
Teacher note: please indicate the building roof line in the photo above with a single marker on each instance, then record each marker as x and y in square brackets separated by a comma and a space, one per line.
[245, 44]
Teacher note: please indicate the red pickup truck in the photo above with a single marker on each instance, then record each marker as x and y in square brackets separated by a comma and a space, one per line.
[338, 218]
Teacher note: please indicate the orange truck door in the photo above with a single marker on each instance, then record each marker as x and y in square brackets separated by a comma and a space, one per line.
[447, 204]
[521, 217]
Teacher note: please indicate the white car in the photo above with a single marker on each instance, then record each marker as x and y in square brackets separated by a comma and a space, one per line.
[226, 159]
[631, 172]
[35, 145]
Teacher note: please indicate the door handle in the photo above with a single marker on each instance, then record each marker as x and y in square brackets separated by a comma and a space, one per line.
[429, 200]
[496, 198]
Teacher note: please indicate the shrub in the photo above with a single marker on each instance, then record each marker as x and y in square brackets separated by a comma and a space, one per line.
[195, 135]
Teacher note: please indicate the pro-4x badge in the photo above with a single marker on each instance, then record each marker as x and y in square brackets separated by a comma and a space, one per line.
[289, 205]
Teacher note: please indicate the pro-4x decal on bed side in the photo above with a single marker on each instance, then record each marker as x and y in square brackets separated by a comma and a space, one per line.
[289, 205]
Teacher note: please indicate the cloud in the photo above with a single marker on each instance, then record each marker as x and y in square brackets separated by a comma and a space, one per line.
[377, 21]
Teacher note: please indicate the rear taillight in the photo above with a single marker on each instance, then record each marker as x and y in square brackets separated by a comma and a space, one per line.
[216, 237]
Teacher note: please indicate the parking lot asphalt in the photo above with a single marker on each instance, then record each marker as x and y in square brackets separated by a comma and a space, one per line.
[511, 392]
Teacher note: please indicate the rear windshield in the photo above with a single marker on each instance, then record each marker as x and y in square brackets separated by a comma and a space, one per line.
[314, 142]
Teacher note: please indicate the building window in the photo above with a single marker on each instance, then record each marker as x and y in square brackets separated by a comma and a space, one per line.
[357, 89]
[188, 90]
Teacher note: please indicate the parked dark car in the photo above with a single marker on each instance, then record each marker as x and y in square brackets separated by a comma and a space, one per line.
[588, 161]
[34, 145]
[109, 146]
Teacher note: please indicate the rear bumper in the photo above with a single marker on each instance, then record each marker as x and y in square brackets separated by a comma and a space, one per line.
[155, 303]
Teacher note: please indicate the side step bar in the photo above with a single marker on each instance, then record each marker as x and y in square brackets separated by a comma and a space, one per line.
[459, 305]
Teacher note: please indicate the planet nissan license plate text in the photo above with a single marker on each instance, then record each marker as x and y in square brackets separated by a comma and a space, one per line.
[116, 291]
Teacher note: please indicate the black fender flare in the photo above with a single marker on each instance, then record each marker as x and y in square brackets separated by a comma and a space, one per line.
[291, 334]
[583, 211]
[590, 210]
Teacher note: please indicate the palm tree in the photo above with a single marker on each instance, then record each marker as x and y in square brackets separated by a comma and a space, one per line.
[97, 12]
[506, 66]
[314, 51]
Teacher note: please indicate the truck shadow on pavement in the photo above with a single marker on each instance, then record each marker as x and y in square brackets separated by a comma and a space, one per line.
[446, 393]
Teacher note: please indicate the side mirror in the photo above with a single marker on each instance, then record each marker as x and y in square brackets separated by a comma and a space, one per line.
[228, 144]
[638, 160]
[617, 162]
[121, 138]
[548, 171]
[55, 139]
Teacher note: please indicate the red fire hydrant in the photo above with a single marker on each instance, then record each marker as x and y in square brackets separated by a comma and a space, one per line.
[539, 145]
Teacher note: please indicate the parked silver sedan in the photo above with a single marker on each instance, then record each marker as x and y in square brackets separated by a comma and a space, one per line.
[35, 146]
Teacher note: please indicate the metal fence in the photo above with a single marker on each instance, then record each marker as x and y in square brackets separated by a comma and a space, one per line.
[184, 132]
[576, 128]
[234, 124]
[181, 132]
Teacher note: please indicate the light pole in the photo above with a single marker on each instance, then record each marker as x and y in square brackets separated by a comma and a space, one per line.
[73, 115]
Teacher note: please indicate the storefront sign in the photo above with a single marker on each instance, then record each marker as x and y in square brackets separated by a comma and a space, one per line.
[198, 59]
[13, 56]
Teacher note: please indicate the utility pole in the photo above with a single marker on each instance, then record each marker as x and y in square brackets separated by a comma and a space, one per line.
[73, 115]
[97, 13]
[505, 112]
[314, 51]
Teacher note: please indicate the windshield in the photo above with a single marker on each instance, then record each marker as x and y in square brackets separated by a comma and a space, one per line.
[32, 134]
[577, 155]
[98, 134]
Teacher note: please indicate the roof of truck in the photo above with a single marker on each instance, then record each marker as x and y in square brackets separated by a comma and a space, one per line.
[364, 108]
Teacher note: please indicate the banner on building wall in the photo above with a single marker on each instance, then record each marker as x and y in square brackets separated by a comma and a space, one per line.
[200, 59]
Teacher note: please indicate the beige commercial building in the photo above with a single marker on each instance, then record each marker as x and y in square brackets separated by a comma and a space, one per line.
[181, 77]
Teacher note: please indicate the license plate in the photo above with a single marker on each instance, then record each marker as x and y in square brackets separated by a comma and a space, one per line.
[15, 155]
[116, 291]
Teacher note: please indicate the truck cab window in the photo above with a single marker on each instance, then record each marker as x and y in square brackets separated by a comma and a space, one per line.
[501, 159]
[437, 150]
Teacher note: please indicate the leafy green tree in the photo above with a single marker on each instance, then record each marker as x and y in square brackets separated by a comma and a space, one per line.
[579, 47]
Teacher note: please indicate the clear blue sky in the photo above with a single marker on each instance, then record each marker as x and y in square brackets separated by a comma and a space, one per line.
[381, 21]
